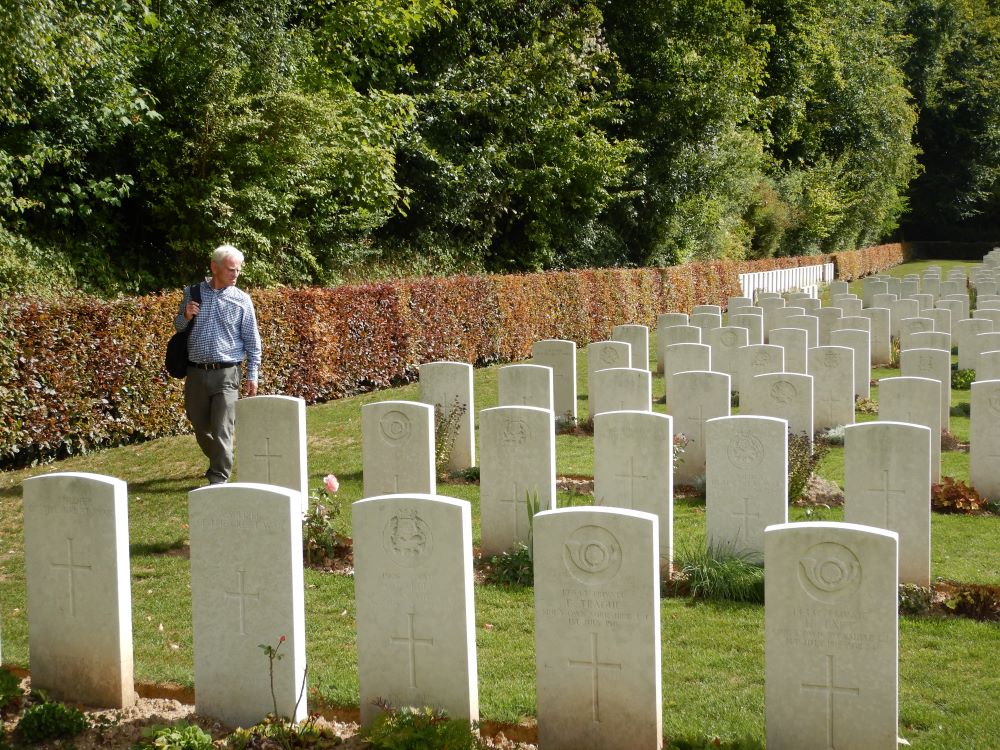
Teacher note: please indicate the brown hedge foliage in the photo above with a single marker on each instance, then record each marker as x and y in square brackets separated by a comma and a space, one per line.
[79, 373]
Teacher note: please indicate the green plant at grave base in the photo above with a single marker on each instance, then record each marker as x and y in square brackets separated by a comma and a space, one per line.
[734, 399]
[680, 444]
[49, 721]
[471, 474]
[894, 354]
[179, 736]
[803, 459]
[720, 573]
[513, 567]
[955, 496]
[11, 695]
[866, 406]
[962, 380]
[712, 743]
[566, 423]
[446, 427]
[914, 599]
[832, 435]
[320, 538]
[405, 728]
[280, 729]
[963, 409]
[275, 731]
[975, 601]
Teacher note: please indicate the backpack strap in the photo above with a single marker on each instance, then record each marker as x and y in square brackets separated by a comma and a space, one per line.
[196, 297]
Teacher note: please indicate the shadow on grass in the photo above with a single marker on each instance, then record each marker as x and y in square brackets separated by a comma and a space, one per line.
[156, 548]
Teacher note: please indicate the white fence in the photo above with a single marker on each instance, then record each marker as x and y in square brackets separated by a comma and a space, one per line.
[805, 278]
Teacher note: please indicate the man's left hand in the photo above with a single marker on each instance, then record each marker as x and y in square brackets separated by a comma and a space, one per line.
[250, 388]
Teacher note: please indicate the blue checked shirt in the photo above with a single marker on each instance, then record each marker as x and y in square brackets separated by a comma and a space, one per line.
[225, 329]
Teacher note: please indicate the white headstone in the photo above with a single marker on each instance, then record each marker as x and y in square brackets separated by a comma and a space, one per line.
[991, 315]
[984, 438]
[597, 629]
[736, 303]
[633, 468]
[637, 337]
[684, 357]
[860, 343]
[397, 447]
[697, 396]
[706, 322]
[752, 322]
[887, 484]
[76, 555]
[832, 370]
[941, 318]
[914, 401]
[416, 620]
[621, 388]
[247, 590]
[909, 326]
[710, 309]
[725, 343]
[962, 299]
[758, 360]
[517, 464]
[603, 355]
[930, 340]
[883, 300]
[560, 355]
[828, 320]
[839, 287]
[808, 323]
[988, 367]
[795, 342]
[881, 334]
[926, 301]
[676, 334]
[525, 385]
[746, 482]
[962, 334]
[855, 323]
[270, 444]
[869, 288]
[831, 633]
[934, 364]
[447, 386]
[783, 395]
[849, 306]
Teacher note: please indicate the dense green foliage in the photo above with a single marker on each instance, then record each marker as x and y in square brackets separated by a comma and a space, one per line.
[339, 139]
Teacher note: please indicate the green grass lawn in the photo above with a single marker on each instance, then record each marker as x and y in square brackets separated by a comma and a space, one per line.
[713, 660]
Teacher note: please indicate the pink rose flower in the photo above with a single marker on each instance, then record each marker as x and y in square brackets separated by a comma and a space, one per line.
[330, 484]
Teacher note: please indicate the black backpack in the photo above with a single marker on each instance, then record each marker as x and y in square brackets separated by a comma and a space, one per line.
[177, 348]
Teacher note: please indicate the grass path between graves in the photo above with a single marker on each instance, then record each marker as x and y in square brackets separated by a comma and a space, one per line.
[713, 660]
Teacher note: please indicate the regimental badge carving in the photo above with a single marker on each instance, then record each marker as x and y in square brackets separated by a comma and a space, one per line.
[515, 432]
[925, 363]
[729, 338]
[609, 355]
[995, 401]
[783, 392]
[407, 539]
[395, 427]
[745, 450]
[592, 555]
[829, 571]
[831, 359]
[761, 359]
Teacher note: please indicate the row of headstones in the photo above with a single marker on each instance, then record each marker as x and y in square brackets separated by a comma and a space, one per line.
[831, 627]
[805, 278]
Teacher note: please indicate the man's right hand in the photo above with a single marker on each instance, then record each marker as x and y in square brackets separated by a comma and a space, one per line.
[191, 310]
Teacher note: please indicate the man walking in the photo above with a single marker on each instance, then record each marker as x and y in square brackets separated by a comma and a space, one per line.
[224, 333]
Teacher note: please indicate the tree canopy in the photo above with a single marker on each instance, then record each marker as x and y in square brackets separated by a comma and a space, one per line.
[335, 139]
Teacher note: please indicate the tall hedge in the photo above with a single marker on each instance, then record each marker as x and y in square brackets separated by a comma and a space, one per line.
[79, 373]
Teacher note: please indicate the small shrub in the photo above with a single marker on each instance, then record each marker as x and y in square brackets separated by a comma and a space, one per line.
[712, 743]
[955, 496]
[470, 474]
[179, 736]
[894, 354]
[11, 695]
[320, 539]
[832, 436]
[277, 733]
[680, 444]
[914, 600]
[962, 380]
[49, 721]
[719, 573]
[866, 406]
[975, 601]
[734, 399]
[514, 567]
[446, 427]
[396, 729]
[803, 458]
[963, 409]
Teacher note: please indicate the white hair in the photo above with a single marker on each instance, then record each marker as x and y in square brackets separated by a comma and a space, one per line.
[226, 251]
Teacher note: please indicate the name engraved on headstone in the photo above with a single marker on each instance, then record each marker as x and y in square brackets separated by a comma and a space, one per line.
[241, 520]
[63, 506]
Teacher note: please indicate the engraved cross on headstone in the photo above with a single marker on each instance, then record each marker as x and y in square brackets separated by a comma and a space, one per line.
[699, 424]
[631, 477]
[267, 456]
[241, 596]
[830, 689]
[745, 517]
[594, 665]
[71, 568]
[886, 494]
[517, 497]
[830, 399]
[411, 642]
